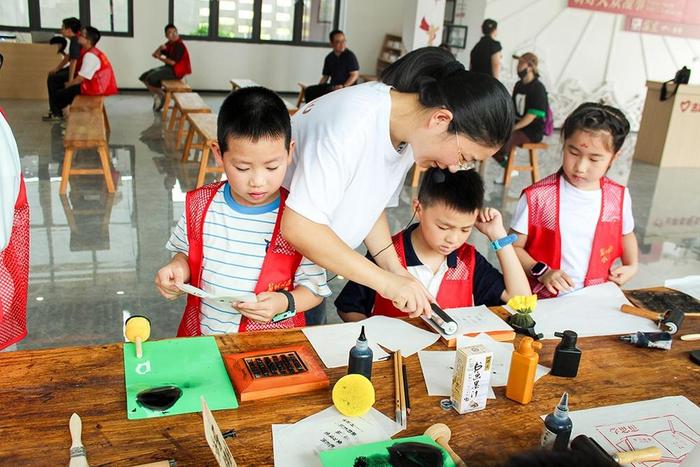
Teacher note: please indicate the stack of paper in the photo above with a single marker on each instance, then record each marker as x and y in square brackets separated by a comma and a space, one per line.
[473, 320]
[591, 311]
[332, 343]
[298, 445]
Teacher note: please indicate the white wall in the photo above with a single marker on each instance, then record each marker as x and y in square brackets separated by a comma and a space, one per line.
[585, 55]
[278, 67]
[415, 11]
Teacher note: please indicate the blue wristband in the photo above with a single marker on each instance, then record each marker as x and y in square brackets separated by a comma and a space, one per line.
[503, 242]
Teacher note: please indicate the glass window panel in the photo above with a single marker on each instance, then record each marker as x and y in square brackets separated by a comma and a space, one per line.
[52, 12]
[110, 15]
[236, 19]
[317, 20]
[14, 13]
[191, 17]
[277, 22]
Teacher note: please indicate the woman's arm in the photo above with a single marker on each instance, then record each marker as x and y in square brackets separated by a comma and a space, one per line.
[322, 246]
[378, 243]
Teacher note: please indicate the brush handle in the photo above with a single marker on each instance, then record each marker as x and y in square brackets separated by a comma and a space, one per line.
[644, 313]
[76, 428]
[690, 337]
[453, 455]
[139, 347]
[648, 454]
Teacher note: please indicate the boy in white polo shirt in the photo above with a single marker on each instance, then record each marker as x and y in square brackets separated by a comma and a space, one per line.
[227, 241]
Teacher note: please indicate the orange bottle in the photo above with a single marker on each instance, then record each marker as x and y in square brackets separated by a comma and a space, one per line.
[521, 378]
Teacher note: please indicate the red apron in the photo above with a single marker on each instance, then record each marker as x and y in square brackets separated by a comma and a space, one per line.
[103, 82]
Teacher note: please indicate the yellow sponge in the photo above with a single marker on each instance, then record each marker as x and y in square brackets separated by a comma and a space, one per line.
[353, 395]
[137, 326]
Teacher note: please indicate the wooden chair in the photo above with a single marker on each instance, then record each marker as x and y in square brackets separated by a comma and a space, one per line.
[171, 86]
[533, 167]
[91, 103]
[203, 126]
[85, 130]
[185, 103]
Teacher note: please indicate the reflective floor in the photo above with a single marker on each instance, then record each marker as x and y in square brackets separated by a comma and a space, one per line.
[94, 255]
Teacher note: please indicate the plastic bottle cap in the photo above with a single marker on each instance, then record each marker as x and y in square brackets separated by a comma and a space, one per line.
[568, 338]
[528, 346]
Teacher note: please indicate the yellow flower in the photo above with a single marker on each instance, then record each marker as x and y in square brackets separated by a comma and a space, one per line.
[523, 303]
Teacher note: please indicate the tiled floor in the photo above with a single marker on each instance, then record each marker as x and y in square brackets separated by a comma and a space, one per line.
[94, 256]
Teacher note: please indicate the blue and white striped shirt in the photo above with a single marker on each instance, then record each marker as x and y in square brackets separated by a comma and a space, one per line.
[235, 239]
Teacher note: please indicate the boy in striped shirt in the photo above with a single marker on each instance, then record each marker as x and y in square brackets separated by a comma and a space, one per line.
[227, 241]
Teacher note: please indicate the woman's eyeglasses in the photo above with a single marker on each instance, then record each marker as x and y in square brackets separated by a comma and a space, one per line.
[462, 162]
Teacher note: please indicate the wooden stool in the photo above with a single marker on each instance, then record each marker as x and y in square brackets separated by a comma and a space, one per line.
[91, 103]
[85, 130]
[185, 103]
[238, 83]
[302, 94]
[533, 168]
[169, 87]
[204, 127]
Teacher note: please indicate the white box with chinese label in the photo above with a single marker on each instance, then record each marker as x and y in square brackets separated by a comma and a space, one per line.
[471, 379]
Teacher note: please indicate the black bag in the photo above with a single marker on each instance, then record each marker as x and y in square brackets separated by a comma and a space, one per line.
[682, 77]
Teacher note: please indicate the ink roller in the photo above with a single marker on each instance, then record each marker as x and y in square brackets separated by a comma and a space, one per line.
[670, 321]
[443, 320]
[589, 446]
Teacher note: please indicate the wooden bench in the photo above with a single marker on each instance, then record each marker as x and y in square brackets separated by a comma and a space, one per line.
[185, 103]
[533, 167]
[85, 130]
[203, 127]
[89, 104]
[170, 86]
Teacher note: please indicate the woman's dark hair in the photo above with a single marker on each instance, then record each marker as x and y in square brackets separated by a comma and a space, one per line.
[481, 106]
[59, 40]
[93, 35]
[253, 113]
[488, 26]
[72, 23]
[462, 191]
[593, 117]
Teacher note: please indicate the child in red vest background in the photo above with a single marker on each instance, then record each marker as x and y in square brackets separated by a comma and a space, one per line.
[574, 224]
[228, 242]
[95, 76]
[435, 251]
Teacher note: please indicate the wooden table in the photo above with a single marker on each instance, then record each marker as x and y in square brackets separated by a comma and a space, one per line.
[185, 103]
[203, 127]
[40, 389]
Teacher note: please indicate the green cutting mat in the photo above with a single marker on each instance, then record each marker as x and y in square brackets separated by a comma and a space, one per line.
[194, 365]
[346, 457]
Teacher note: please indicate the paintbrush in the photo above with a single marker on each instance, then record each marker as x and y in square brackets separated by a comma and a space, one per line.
[77, 451]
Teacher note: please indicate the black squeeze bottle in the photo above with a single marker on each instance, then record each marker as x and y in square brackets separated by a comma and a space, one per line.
[360, 360]
[566, 355]
[557, 427]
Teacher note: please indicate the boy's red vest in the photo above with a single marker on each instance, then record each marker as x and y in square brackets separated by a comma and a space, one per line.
[544, 238]
[277, 273]
[456, 287]
[103, 82]
[181, 67]
[14, 275]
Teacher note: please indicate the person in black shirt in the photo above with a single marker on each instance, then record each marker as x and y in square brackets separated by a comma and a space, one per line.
[530, 99]
[59, 76]
[340, 68]
[486, 55]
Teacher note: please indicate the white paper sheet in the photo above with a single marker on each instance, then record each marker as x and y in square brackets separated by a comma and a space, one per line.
[438, 369]
[591, 311]
[472, 320]
[298, 445]
[670, 423]
[688, 284]
[333, 342]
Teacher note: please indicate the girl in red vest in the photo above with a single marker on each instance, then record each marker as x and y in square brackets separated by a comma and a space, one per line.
[14, 242]
[436, 253]
[573, 225]
[95, 77]
[176, 65]
[228, 240]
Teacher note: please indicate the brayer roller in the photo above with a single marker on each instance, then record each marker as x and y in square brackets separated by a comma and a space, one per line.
[585, 444]
[669, 322]
[443, 320]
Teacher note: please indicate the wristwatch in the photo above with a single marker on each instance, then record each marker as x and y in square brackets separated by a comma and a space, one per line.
[539, 269]
[291, 308]
[503, 242]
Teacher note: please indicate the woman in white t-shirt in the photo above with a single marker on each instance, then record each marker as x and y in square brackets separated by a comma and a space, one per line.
[353, 150]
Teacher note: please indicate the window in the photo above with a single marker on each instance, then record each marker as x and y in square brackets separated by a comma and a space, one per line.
[111, 17]
[298, 22]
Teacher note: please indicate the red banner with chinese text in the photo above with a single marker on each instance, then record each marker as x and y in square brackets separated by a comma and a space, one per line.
[663, 28]
[677, 11]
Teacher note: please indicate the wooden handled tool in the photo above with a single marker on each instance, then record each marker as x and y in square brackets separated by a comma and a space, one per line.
[669, 322]
[651, 453]
[691, 337]
[77, 451]
[441, 434]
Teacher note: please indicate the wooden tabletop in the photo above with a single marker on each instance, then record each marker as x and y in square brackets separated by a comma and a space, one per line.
[204, 124]
[39, 390]
[190, 102]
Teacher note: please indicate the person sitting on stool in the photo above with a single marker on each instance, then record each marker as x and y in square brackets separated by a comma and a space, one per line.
[340, 67]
